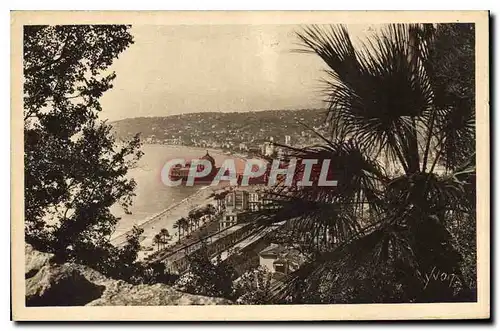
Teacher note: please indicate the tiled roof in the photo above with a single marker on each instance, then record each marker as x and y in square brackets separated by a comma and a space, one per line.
[279, 251]
[273, 249]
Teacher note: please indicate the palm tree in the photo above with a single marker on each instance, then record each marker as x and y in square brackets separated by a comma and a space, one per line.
[194, 218]
[157, 241]
[164, 234]
[185, 224]
[179, 225]
[219, 199]
[405, 96]
[210, 210]
[192, 223]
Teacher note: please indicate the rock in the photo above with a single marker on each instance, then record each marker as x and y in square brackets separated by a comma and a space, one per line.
[72, 284]
[60, 285]
[119, 293]
[35, 260]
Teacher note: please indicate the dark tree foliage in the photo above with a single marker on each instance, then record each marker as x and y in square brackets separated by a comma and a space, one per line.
[402, 113]
[451, 68]
[157, 273]
[253, 287]
[74, 169]
[206, 277]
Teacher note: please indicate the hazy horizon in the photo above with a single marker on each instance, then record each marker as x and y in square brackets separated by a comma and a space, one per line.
[215, 112]
[176, 69]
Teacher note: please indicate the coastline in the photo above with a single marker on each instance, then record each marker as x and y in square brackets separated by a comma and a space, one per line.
[168, 216]
[203, 149]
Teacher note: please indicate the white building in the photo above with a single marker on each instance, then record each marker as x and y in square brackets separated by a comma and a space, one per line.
[281, 259]
[243, 147]
[236, 200]
[255, 200]
[268, 149]
[236, 203]
[229, 218]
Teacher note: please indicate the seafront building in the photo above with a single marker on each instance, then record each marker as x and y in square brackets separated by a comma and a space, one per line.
[240, 202]
[237, 199]
[181, 172]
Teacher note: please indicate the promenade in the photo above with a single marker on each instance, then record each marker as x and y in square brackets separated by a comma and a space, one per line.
[166, 218]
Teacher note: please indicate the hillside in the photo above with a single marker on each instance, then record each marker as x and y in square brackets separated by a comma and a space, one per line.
[224, 130]
[49, 283]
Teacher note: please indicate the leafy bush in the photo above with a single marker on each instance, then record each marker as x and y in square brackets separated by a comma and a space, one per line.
[253, 287]
[206, 277]
[74, 169]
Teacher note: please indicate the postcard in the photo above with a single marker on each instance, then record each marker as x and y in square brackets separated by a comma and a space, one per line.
[242, 166]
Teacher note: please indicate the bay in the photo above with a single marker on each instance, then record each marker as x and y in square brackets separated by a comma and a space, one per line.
[152, 196]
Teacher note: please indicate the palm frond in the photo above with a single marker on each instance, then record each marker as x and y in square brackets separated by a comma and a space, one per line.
[329, 215]
[376, 92]
[388, 98]
[387, 264]
[330, 277]
[450, 68]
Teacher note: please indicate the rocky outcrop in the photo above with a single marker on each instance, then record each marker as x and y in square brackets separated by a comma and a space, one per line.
[35, 260]
[122, 294]
[51, 284]
[60, 285]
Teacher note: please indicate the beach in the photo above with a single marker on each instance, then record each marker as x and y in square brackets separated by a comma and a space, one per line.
[166, 218]
[157, 206]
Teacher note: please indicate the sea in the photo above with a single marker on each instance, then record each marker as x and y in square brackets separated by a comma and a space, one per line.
[151, 195]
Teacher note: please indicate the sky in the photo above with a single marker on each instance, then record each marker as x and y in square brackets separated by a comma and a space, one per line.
[174, 69]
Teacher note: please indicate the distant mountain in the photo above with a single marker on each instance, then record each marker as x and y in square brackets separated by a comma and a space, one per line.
[229, 130]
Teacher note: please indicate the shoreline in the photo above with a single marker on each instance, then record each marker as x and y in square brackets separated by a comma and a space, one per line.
[158, 214]
[209, 149]
[163, 219]
[167, 217]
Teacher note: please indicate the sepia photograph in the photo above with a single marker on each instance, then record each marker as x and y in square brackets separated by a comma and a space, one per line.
[304, 165]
